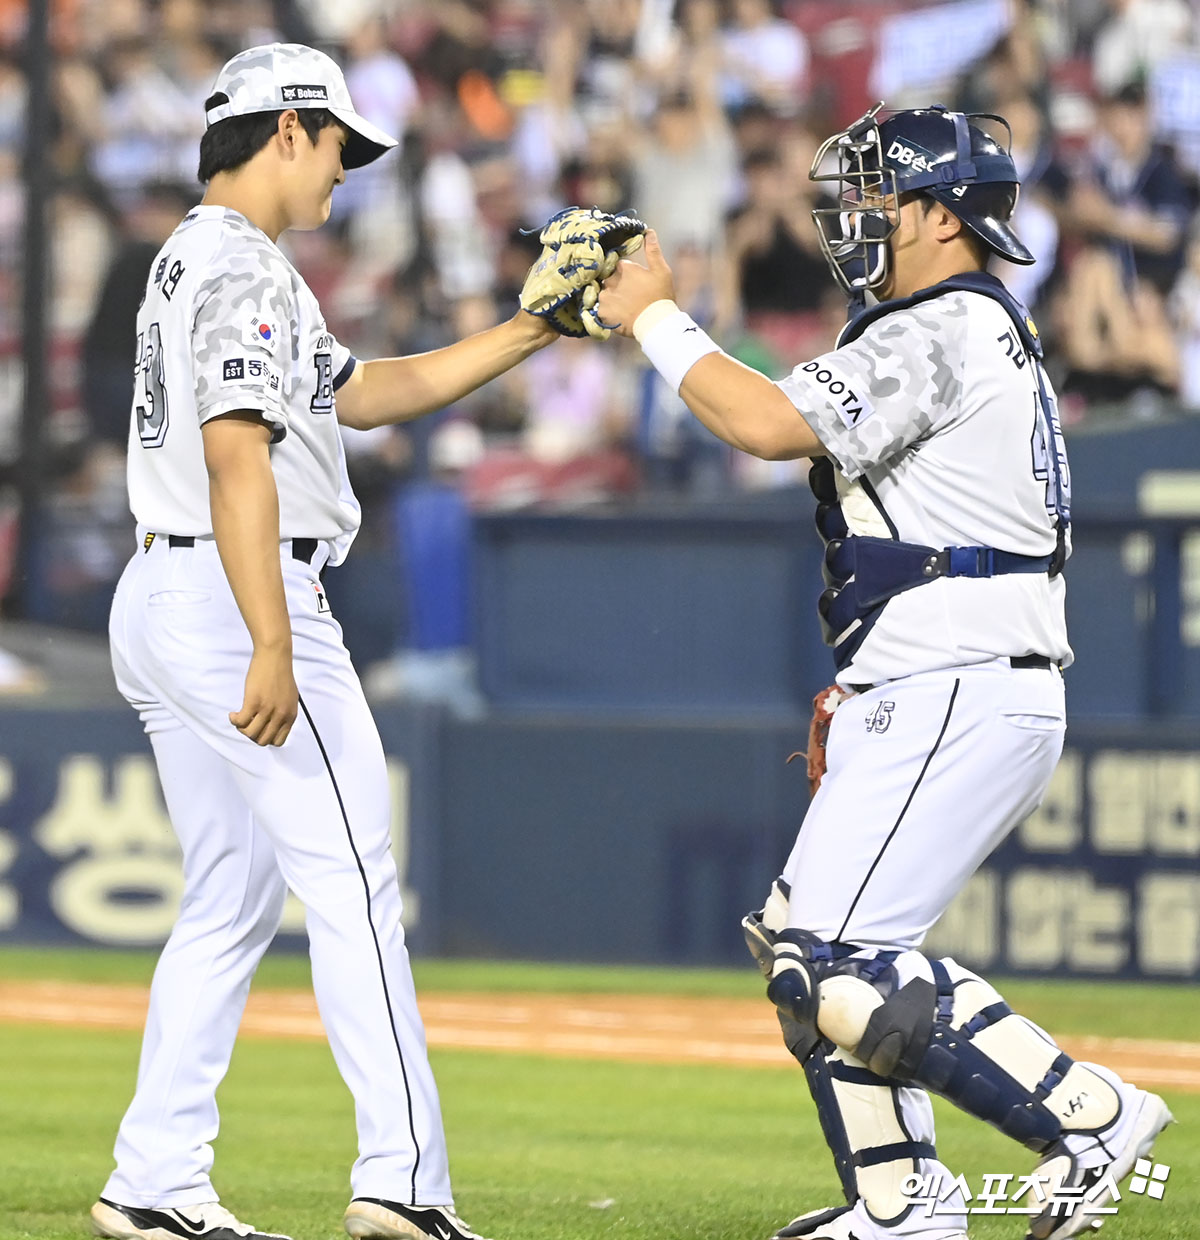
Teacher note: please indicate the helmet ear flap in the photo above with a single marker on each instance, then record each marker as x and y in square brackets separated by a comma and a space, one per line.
[986, 211]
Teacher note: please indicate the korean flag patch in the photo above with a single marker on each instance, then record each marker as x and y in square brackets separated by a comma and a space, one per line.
[261, 332]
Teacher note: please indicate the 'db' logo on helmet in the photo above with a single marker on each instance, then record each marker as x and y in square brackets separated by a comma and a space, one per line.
[910, 157]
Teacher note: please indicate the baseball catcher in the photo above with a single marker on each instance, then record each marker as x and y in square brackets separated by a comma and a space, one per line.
[944, 503]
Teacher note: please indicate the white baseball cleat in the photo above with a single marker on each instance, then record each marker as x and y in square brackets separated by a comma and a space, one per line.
[374, 1218]
[1088, 1167]
[208, 1221]
[850, 1223]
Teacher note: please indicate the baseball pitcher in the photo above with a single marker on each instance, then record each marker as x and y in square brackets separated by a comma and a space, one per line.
[223, 640]
[944, 506]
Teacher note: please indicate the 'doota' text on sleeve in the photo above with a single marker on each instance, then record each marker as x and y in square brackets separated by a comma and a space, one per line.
[869, 400]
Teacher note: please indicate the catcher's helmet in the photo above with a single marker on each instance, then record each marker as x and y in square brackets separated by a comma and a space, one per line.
[930, 151]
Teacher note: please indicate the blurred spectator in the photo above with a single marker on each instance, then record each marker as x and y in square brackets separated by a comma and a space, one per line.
[577, 421]
[147, 125]
[1034, 219]
[81, 241]
[677, 452]
[453, 225]
[80, 105]
[1129, 205]
[109, 342]
[683, 170]
[375, 201]
[1130, 195]
[435, 662]
[773, 251]
[606, 72]
[1014, 67]
[765, 58]
[1115, 336]
[1135, 36]
[1185, 314]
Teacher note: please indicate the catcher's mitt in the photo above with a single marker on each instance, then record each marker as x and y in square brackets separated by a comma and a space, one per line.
[824, 704]
[580, 247]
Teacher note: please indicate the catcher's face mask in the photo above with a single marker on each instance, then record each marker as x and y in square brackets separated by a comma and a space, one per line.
[854, 234]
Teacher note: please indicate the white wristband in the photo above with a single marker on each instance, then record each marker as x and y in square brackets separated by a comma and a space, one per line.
[671, 341]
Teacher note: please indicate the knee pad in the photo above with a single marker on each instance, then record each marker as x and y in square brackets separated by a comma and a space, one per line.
[853, 989]
[826, 989]
[793, 989]
[899, 1029]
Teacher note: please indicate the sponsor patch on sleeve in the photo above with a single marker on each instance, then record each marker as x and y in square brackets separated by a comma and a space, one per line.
[255, 371]
[848, 402]
[262, 372]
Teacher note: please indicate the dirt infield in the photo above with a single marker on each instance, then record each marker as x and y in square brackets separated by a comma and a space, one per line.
[738, 1032]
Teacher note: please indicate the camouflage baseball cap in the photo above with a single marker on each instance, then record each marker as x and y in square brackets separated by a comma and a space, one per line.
[289, 75]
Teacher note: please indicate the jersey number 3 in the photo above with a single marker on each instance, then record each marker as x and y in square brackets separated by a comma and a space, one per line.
[150, 389]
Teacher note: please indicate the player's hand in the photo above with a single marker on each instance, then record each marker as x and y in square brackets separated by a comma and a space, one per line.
[271, 698]
[632, 287]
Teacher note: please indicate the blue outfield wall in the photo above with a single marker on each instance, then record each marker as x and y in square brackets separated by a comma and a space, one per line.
[628, 798]
[575, 839]
[87, 853]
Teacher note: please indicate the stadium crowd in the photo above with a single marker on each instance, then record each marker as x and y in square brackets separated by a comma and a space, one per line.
[703, 115]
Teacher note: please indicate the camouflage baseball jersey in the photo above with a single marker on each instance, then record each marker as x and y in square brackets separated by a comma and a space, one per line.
[227, 324]
[931, 417]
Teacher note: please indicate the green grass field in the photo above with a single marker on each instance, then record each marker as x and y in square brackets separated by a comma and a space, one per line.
[541, 1149]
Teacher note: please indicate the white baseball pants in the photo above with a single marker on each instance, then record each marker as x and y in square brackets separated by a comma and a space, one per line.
[927, 775]
[312, 815]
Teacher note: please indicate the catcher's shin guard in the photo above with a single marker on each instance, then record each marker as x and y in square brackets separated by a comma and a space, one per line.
[880, 1133]
[829, 1113]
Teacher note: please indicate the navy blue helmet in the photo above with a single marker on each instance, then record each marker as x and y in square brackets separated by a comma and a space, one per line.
[930, 151]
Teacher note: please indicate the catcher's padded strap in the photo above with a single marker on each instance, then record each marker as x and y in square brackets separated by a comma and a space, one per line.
[878, 1154]
[945, 991]
[989, 1015]
[1053, 1078]
[853, 1075]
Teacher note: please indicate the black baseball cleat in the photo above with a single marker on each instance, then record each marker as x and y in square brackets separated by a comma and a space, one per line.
[373, 1218]
[210, 1221]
